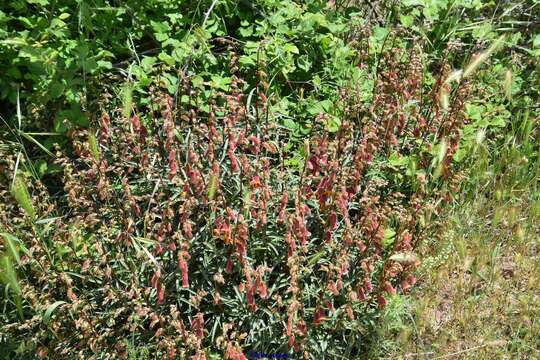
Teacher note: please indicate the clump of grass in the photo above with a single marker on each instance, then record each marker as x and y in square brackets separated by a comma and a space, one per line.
[480, 299]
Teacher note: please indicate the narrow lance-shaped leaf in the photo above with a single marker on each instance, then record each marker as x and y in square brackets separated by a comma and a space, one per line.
[11, 244]
[50, 310]
[20, 193]
[127, 100]
[94, 148]
[508, 84]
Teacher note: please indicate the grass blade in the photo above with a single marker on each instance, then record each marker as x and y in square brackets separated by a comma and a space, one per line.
[12, 246]
[50, 310]
[9, 278]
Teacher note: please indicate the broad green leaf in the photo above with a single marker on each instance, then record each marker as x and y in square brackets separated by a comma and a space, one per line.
[333, 124]
[291, 48]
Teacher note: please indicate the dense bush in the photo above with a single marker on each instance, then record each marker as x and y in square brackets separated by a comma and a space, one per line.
[197, 233]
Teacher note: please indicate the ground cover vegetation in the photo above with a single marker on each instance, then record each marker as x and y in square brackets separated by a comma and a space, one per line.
[322, 179]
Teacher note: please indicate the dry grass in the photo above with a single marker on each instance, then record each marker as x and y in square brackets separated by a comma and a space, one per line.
[480, 299]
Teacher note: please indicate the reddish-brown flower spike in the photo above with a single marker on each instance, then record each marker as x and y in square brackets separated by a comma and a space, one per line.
[301, 327]
[256, 182]
[339, 284]
[187, 230]
[199, 355]
[350, 312]
[246, 167]
[263, 290]
[184, 269]
[382, 301]
[319, 316]
[289, 238]
[135, 122]
[330, 305]
[234, 353]
[105, 123]
[332, 287]
[256, 144]
[406, 242]
[172, 163]
[197, 325]
[250, 296]
[332, 220]
[155, 279]
[389, 288]
[161, 294]
[368, 285]
[328, 236]
[234, 161]
[229, 266]
[282, 205]
[290, 326]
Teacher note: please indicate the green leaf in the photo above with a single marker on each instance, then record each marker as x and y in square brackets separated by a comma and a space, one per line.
[56, 89]
[102, 64]
[94, 147]
[38, 2]
[41, 167]
[220, 82]
[246, 31]
[389, 237]
[9, 278]
[323, 106]
[148, 62]
[380, 33]
[20, 193]
[127, 100]
[315, 258]
[406, 20]
[397, 160]
[160, 27]
[304, 62]
[50, 310]
[166, 58]
[334, 123]
[11, 244]
[291, 48]
[14, 41]
[247, 60]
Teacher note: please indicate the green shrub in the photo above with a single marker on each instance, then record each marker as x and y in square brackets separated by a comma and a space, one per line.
[208, 229]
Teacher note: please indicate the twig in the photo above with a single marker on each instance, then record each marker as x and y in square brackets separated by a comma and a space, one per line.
[208, 13]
